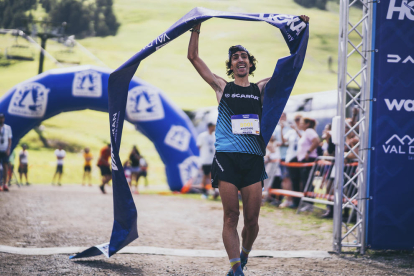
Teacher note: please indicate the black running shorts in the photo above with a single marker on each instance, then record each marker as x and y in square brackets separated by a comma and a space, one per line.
[240, 169]
[105, 170]
[59, 169]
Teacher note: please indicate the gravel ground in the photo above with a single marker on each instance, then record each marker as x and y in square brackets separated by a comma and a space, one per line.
[46, 216]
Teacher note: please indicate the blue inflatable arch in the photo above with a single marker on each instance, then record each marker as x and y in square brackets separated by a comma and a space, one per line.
[86, 87]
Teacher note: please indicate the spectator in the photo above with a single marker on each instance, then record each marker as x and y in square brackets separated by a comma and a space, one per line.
[307, 146]
[60, 155]
[272, 165]
[351, 139]
[5, 146]
[12, 158]
[280, 132]
[143, 170]
[23, 164]
[205, 143]
[87, 155]
[127, 172]
[103, 164]
[291, 139]
[327, 146]
[134, 157]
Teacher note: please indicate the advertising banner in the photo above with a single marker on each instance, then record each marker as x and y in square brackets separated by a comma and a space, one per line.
[391, 185]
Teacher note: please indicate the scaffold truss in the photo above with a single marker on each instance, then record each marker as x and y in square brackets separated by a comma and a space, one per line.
[354, 61]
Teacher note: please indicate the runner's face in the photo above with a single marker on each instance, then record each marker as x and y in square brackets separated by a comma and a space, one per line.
[240, 64]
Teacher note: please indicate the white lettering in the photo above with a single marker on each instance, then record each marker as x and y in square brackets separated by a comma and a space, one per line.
[405, 9]
[298, 28]
[386, 148]
[393, 149]
[407, 105]
[409, 58]
[398, 104]
[393, 58]
[392, 8]
[113, 162]
[400, 151]
[411, 150]
[394, 103]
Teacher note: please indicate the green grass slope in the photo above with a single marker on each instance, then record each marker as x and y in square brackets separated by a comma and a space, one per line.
[169, 69]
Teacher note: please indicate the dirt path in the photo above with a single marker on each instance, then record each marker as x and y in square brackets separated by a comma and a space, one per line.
[46, 216]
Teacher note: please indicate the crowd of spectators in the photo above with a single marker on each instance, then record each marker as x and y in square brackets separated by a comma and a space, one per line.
[294, 144]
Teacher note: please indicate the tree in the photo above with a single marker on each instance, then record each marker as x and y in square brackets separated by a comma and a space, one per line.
[84, 18]
[77, 14]
[105, 20]
[320, 4]
[13, 13]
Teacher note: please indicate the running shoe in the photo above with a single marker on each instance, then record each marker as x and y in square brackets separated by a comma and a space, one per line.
[286, 204]
[231, 273]
[102, 189]
[243, 263]
[5, 188]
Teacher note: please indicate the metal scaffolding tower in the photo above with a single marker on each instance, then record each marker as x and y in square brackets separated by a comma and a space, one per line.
[354, 62]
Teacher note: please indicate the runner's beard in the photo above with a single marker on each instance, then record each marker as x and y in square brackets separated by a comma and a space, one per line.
[242, 75]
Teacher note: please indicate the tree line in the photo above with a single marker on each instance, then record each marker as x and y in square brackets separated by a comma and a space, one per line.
[83, 17]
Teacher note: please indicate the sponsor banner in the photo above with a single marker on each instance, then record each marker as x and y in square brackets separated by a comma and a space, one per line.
[29, 100]
[189, 168]
[178, 137]
[144, 104]
[390, 212]
[87, 84]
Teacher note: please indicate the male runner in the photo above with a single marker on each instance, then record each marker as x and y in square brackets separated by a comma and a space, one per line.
[238, 163]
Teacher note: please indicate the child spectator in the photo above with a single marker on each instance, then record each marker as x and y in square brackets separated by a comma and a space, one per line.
[87, 155]
[23, 164]
[60, 155]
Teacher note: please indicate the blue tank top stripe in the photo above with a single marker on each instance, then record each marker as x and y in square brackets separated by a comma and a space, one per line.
[238, 100]
[252, 145]
[226, 123]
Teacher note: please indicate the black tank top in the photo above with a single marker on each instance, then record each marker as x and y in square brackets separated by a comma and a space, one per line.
[238, 100]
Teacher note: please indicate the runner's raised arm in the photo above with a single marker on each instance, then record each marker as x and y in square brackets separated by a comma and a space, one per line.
[214, 81]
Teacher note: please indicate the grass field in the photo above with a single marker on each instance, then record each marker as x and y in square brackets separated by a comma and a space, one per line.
[169, 69]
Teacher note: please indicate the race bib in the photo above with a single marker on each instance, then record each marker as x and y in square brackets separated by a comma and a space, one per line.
[245, 124]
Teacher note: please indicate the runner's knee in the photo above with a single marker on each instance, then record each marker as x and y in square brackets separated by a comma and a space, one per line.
[231, 218]
[251, 221]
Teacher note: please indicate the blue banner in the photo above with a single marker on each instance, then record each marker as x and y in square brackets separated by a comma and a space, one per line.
[37, 99]
[277, 92]
[390, 212]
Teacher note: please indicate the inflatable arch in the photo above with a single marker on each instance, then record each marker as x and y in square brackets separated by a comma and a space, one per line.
[86, 87]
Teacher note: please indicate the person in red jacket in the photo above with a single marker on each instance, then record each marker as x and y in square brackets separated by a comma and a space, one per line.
[103, 164]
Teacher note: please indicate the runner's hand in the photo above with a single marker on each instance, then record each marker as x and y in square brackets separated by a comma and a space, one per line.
[197, 27]
[305, 18]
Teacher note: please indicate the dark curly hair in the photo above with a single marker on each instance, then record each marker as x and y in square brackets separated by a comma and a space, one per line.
[252, 61]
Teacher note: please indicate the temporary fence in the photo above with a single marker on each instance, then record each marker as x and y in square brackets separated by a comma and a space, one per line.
[319, 187]
[320, 184]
